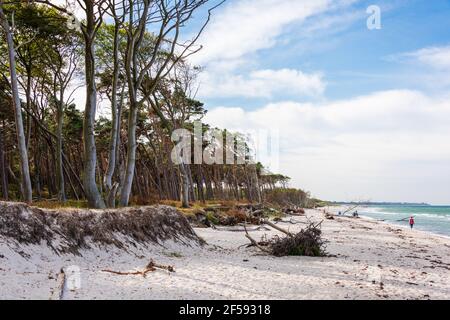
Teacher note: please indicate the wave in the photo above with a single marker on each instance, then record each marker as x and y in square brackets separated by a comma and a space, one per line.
[382, 211]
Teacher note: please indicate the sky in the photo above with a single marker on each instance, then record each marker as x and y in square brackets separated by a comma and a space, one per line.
[362, 114]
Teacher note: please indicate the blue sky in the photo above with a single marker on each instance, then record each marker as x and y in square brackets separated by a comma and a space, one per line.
[362, 113]
[353, 59]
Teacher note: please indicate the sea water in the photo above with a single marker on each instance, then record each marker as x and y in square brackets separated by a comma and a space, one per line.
[435, 219]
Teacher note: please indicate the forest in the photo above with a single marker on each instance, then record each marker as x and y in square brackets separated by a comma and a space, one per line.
[133, 57]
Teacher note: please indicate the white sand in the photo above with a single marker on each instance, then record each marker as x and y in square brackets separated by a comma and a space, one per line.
[409, 264]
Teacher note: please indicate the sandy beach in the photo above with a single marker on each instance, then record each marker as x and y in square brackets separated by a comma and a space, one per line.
[368, 260]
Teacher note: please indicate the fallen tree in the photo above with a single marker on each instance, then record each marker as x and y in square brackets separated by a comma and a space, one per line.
[238, 214]
[306, 242]
[69, 230]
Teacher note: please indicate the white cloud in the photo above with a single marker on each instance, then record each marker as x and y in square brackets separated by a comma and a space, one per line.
[436, 57]
[429, 67]
[246, 26]
[262, 83]
[243, 28]
[392, 145]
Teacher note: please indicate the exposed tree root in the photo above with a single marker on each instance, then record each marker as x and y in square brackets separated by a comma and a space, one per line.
[69, 230]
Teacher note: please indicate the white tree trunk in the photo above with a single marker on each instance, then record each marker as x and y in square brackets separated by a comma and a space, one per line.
[21, 144]
[93, 195]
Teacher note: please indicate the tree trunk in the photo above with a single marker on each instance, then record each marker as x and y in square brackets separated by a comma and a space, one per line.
[131, 155]
[184, 183]
[93, 195]
[37, 164]
[3, 173]
[59, 150]
[255, 183]
[113, 144]
[21, 144]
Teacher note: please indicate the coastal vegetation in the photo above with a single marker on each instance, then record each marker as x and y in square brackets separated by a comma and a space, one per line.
[132, 59]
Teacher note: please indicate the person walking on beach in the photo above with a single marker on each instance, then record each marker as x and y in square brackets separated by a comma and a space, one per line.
[411, 222]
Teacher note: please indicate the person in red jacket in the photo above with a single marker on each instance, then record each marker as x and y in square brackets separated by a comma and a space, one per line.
[411, 222]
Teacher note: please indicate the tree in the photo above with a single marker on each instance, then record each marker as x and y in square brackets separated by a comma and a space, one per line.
[135, 63]
[174, 104]
[22, 147]
[165, 50]
[113, 72]
[48, 53]
[62, 59]
[94, 17]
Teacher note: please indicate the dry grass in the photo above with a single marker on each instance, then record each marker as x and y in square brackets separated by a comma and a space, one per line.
[49, 204]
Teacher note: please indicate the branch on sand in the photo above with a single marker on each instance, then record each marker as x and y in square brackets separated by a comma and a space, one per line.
[254, 243]
[291, 221]
[277, 228]
[58, 293]
[152, 266]
[244, 229]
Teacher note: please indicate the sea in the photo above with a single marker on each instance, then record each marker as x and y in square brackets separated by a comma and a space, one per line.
[435, 219]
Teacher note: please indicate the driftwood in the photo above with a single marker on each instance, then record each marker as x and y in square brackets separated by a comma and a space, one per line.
[356, 206]
[152, 266]
[243, 229]
[307, 242]
[255, 214]
[329, 216]
[142, 273]
[291, 221]
[277, 228]
[58, 293]
[227, 216]
[250, 207]
[404, 219]
[256, 244]
[294, 211]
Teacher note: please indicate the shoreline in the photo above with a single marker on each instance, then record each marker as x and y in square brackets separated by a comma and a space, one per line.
[362, 215]
[432, 233]
[367, 260]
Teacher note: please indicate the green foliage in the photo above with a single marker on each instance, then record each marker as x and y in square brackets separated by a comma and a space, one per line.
[317, 203]
[73, 119]
[286, 197]
[211, 217]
